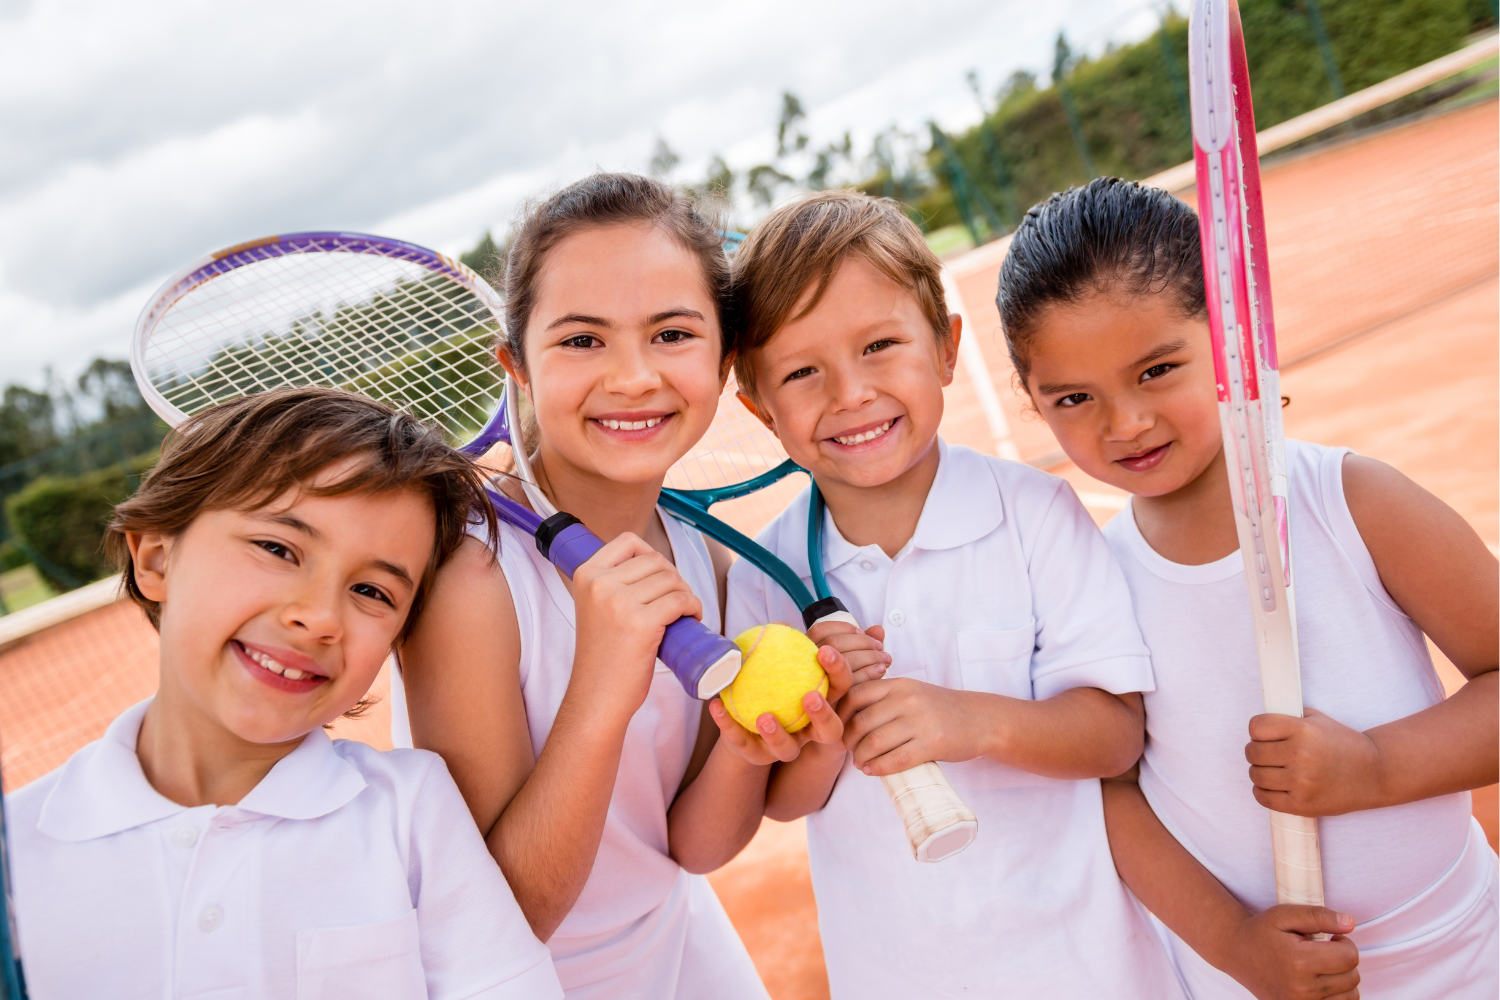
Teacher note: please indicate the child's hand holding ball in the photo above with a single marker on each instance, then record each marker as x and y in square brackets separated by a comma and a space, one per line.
[783, 696]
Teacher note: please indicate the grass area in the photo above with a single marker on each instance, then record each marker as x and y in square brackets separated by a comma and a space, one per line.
[950, 240]
[23, 587]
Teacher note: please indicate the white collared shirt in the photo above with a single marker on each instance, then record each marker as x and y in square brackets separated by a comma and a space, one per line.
[346, 872]
[1005, 587]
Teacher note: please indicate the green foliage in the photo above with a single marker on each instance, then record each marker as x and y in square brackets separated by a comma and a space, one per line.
[1129, 101]
[62, 519]
[486, 260]
[10, 557]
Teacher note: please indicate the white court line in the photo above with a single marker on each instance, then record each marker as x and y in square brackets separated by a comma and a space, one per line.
[971, 357]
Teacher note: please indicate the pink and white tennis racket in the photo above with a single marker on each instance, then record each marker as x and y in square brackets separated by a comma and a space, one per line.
[1238, 285]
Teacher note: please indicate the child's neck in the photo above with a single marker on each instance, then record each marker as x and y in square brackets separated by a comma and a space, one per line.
[194, 760]
[1193, 525]
[884, 515]
[606, 507]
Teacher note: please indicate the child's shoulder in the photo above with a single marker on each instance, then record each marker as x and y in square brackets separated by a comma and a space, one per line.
[404, 771]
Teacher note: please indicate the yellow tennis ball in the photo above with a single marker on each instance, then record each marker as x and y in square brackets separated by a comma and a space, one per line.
[781, 665]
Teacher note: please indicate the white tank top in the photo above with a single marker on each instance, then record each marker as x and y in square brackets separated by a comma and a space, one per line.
[1364, 662]
[642, 927]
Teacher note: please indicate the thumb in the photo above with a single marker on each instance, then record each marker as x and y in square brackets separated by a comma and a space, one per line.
[1300, 918]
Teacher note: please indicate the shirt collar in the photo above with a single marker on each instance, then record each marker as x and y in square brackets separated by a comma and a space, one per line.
[102, 790]
[962, 506]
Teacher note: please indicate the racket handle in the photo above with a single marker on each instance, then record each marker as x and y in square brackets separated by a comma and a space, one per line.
[702, 660]
[1299, 867]
[938, 823]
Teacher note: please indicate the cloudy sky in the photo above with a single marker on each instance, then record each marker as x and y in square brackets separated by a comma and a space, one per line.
[136, 137]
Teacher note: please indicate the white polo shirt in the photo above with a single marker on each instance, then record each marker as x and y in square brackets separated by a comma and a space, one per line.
[346, 872]
[1006, 587]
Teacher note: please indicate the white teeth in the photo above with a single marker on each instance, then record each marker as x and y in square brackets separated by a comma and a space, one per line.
[631, 425]
[276, 667]
[869, 435]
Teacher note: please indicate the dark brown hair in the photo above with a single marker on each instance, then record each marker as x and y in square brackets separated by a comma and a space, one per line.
[244, 453]
[1107, 234]
[608, 200]
[802, 244]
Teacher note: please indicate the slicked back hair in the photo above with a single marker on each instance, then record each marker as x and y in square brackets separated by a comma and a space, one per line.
[1108, 234]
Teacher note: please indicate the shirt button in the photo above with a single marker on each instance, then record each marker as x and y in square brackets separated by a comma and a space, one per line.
[210, 919]
[185, 836]
[896, 617]
[866, 565]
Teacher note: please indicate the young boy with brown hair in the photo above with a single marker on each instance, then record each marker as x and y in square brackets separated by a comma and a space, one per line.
[215, 842]
[1014, 656]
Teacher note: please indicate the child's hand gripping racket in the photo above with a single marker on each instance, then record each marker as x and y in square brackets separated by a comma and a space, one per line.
[386, 319]
[1238, 288]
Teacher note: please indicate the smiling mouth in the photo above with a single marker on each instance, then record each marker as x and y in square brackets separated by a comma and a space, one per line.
[630, 425]
[1144, 460]
[864, 436]
[277, 667]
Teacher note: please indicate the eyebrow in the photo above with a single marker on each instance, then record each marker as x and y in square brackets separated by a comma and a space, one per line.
[1171, 347]
[601, 321]
[581, 318]
[1155, 354]
[297, 524]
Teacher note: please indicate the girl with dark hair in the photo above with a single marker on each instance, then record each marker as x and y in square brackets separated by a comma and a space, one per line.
[582, 760]
[1102, 302]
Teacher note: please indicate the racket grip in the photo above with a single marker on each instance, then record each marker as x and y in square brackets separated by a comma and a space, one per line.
[938, 823]
[1298, 860]
[703, 661]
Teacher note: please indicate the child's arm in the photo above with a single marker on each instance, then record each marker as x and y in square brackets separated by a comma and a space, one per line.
[1436, 568]
[1269, 953]
[802, 786]
[723, 794]
[543, 821]
[1082, 732]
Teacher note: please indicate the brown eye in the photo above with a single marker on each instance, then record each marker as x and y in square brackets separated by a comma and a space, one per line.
[373, 592]
[1156, 371]
[1073, 399]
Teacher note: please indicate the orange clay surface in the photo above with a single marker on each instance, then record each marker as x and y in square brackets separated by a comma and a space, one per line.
[1359, 233]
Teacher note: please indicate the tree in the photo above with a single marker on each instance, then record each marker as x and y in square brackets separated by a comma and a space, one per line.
[789, 136]
[486, 260]
[663, 160]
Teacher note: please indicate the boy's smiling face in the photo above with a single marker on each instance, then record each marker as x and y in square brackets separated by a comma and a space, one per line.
[854, 389]
[276, 620]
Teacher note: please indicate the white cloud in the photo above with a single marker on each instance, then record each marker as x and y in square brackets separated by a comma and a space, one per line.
[136, 137]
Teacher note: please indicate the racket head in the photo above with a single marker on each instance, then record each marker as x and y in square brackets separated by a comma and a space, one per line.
[387, 319]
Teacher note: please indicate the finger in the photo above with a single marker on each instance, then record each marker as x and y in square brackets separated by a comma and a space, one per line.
[1272, 779]
[617, 550]
[1306, 919]
[777, 740]
[1277, 754]
[840, 676]
[639, 568]
[876, 632]
[823, 632]
[1270, 727]
[848, 642]
[674, 605]
[740, 740]
[1282, 802]
[862, 696]
[871, 673]
[901, 757]
[825, 725]
[875, 731]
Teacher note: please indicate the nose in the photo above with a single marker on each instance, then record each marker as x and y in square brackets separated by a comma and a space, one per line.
[313, 611]
[1128, 419]
[848, 388]
[629, 371]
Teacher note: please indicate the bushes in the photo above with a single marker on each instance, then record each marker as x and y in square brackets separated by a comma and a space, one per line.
[1131, 107]
[62, 519]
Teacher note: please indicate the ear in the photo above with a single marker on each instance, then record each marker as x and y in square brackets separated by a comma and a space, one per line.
[148, 557]
[755, 411]
[948, 349]
[512, 369]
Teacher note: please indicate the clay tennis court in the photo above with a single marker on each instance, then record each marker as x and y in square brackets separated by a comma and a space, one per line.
[1384, 269]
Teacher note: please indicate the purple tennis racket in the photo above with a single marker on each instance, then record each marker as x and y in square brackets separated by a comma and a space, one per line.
[389, 320]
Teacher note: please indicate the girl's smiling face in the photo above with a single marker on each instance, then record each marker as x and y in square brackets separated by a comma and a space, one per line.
[854, 389]
[275, 621]
[1126, 383]
[624, 361]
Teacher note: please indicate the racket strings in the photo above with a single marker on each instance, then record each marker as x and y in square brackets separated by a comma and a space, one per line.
[387, 328]
[737, 448]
